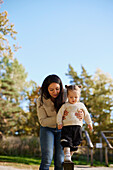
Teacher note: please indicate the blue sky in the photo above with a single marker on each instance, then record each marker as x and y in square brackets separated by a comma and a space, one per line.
[56, 33]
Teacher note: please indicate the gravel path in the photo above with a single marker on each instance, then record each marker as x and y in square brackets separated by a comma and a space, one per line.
[77, 167]
[82, 167]
[9, 168]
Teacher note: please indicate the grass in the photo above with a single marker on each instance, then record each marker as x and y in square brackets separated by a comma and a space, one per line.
[21, 162]
[26, 162]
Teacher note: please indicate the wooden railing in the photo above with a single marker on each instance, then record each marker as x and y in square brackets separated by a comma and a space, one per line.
[89, 144]
[109, 146]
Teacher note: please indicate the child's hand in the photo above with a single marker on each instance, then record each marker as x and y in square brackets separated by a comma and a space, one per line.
[59, 126]
[90, 127]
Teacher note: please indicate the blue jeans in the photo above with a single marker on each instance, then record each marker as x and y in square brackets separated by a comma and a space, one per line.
[50, 143]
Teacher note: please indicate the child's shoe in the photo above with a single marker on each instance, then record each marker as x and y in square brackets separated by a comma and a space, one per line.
[67, 158]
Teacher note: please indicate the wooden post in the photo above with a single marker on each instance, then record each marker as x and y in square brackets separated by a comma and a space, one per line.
[87, 154]
[68, 165]
[106, 156]
[91, 156]
[101, 154]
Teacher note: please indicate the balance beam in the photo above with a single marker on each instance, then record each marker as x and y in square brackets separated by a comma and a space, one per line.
[68, 165]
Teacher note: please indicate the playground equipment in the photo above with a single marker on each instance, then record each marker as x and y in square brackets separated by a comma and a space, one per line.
[109, 146]
[70, 165]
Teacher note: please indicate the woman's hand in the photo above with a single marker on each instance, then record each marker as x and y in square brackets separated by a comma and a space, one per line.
[80, 114]
[59, 126]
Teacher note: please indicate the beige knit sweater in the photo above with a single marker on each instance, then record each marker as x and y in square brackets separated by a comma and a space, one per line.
[46, 113]
[66, 115]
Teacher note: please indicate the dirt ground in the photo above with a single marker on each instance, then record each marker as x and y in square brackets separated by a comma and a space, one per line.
[12, 166]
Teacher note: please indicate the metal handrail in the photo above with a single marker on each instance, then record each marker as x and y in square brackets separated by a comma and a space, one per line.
[108, 144]
[90, 145]
[88, 139]
[107, 131]
[105, 138]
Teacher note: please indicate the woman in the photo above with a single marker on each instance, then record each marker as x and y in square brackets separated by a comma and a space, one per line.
[48, 104]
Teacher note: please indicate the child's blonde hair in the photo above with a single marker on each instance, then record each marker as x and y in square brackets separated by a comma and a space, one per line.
[77, 88]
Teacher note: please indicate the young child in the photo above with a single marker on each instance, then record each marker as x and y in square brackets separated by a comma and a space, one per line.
[71, 135]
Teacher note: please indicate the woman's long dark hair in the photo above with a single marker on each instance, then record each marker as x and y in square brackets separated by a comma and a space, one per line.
[44, 90]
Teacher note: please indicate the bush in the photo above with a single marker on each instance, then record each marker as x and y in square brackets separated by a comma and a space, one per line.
[20, 146]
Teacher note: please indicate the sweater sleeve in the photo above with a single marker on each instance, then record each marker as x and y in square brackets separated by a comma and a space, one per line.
[87, 117]
[44, 119]
[60, 115]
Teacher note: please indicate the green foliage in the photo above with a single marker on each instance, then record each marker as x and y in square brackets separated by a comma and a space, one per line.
[14, 89]
[13, 83]
[6, 30]
[33, 126]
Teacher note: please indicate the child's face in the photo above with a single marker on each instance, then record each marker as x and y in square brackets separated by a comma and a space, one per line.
[73, 97]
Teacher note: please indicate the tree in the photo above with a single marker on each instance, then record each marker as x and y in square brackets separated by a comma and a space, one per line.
[12, 79]
[103, 98]
[33, 123]
[6, 29]
[28, 123]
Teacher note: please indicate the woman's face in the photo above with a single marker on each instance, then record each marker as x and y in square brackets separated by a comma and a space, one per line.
[54, 89]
